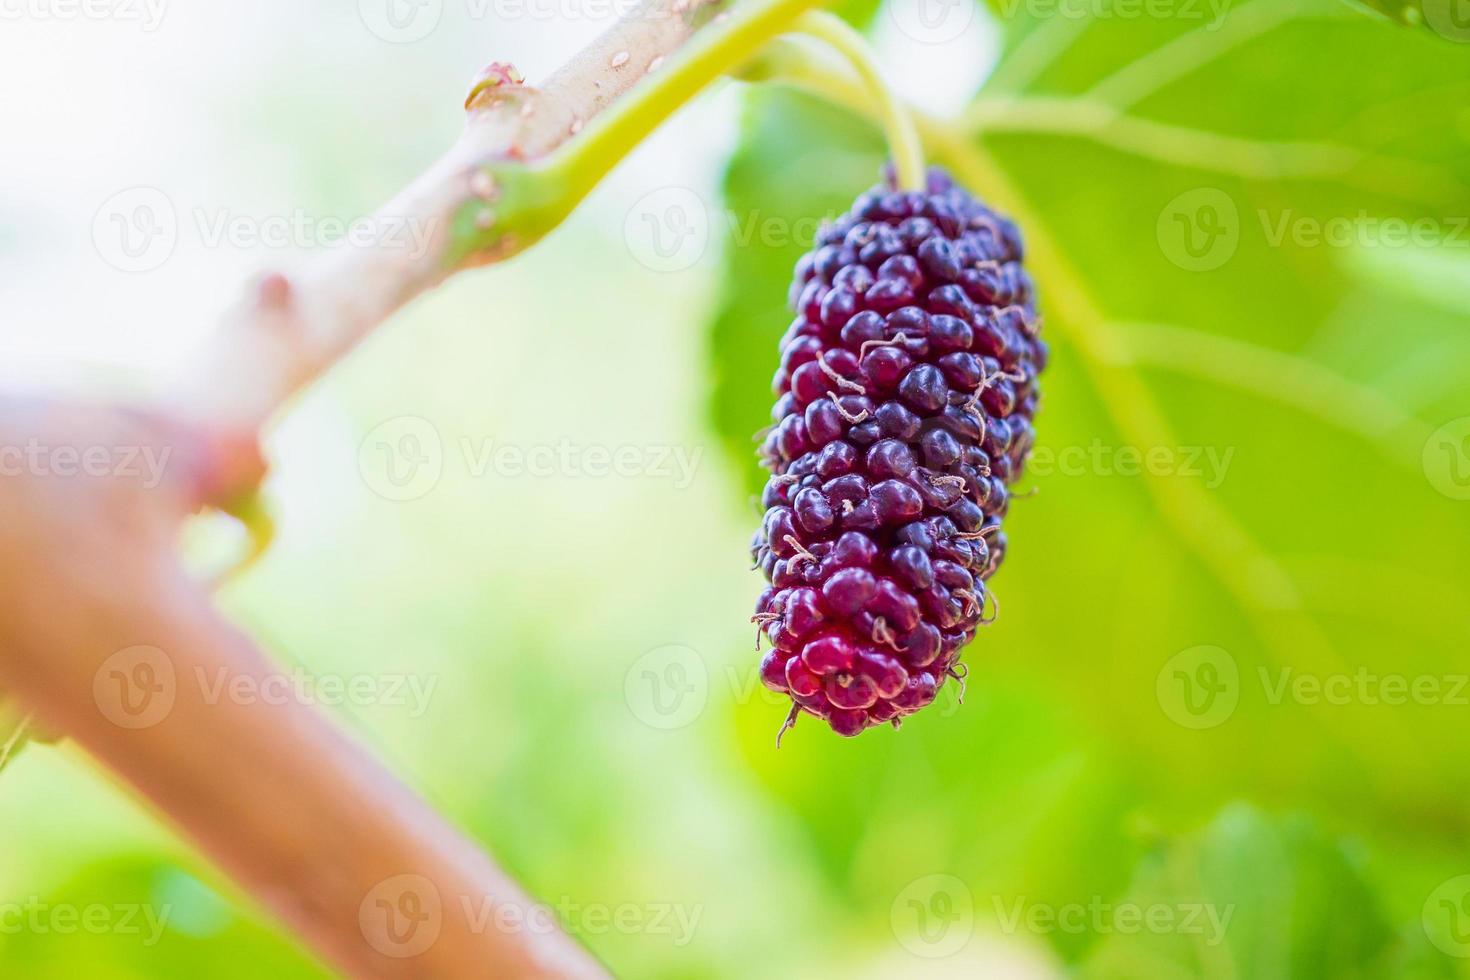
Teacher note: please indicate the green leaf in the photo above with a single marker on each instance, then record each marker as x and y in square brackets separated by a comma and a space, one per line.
[1252, 896]
[1217, 211]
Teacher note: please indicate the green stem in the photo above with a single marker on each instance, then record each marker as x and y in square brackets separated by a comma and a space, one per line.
[794, 62]
[255, 516]
[538, 196]
[715, 50]
[903, 135]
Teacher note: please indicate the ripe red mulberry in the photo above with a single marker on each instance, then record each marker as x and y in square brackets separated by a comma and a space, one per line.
[907, 394]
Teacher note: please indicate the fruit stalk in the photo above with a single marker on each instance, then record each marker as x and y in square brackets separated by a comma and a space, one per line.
[903, 136]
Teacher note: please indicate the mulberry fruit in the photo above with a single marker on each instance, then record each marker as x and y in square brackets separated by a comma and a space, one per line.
[907, 392]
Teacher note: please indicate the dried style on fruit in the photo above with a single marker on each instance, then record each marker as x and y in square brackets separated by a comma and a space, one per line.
[908, 390]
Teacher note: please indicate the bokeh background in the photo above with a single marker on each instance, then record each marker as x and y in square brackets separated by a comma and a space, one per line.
[1220, 727]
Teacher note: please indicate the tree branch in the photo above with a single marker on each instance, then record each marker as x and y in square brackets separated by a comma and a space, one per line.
[527, 157]
[105, 638]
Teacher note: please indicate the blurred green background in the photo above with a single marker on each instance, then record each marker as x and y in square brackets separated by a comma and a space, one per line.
[1219, 728]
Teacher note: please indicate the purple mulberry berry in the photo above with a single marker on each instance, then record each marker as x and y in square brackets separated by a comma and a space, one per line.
[907, 393]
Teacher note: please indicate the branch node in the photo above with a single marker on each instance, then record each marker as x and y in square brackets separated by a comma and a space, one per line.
[497, 74]
[274, 292]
